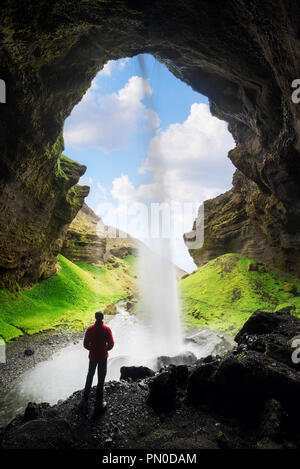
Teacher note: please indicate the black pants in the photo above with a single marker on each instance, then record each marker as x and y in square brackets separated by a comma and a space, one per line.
[102, 368]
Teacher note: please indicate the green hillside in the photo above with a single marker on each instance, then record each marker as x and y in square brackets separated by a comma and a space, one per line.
[223, 293]
[68, 298]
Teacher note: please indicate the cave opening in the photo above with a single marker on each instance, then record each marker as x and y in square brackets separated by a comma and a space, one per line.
[108, 131]
[242, 55]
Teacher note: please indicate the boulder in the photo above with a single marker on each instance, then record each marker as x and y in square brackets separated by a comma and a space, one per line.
[185, 358]
[271, 334]
[40, 433]
[110, 309]
[31, 412]
[162, 391]
[181, 373]
[135, 372]
[210, 342]
[201, 385]
[262, 322]
[271, 425]
[241, 383]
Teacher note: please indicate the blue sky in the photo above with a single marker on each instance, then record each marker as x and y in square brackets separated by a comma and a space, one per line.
[180, 156]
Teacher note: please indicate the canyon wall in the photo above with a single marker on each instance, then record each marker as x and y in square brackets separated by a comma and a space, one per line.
[246, 221]
[242, 54]
[89, 240]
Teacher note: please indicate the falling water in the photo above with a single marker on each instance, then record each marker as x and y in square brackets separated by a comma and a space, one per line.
[157, 274]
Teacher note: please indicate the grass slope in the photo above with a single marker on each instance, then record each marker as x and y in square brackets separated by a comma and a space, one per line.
[223, 293]
[68, 298]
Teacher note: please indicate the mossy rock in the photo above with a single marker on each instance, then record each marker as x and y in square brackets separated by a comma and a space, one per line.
[256, 267]
[110, 309]
[290, 288]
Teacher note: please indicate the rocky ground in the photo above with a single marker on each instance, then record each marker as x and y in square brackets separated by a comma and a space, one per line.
[246, 399]
[28, 350]
[128, 422]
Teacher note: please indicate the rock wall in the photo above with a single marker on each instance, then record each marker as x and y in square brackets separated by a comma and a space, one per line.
[246, 221]
[89, 240]
[242, 54]
[35, 210]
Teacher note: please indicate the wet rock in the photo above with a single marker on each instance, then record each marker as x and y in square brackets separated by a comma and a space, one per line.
[28, 352]
[163, 393]
[108, 443]
[271, 421]
[110, 309]
[40, 433]
[261, 322]
[135, 372]
[271, 334]
[185, 358]
[34, 411]
[131, 304]
[181, 373]
[226, 442]
[31, 412]
[241, 383]
[211, 342]
[200, 385]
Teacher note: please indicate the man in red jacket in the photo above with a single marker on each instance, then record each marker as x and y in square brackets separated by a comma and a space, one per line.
[98, 340]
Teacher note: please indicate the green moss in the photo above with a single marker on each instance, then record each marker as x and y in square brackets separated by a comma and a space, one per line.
[68, 298]
[209, 243]
[223, 293]
[290, 288]
[223, 222]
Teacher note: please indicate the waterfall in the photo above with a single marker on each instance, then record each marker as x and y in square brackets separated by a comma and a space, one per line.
[159, 298]
[160, 306]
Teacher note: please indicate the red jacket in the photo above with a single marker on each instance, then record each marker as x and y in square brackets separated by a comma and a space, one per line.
[98, 340]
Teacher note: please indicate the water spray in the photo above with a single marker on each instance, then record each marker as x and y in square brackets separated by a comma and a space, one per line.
[157, 274]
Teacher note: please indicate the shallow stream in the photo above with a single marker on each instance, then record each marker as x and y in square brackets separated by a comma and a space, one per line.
[65, 371]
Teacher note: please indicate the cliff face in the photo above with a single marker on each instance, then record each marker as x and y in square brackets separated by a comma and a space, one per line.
[34, 213]
[89, 240]
[246, 221]
[242, 54]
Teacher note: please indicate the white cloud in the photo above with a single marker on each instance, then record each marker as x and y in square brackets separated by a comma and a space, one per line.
[113, 65]
[107, 122]
[123, 189]
[189, 160]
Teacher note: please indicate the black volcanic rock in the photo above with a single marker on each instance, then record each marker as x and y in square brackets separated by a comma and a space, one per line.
[163, 393]
[260, 369]
[184, 358]
[246, 399]
[135, 372]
